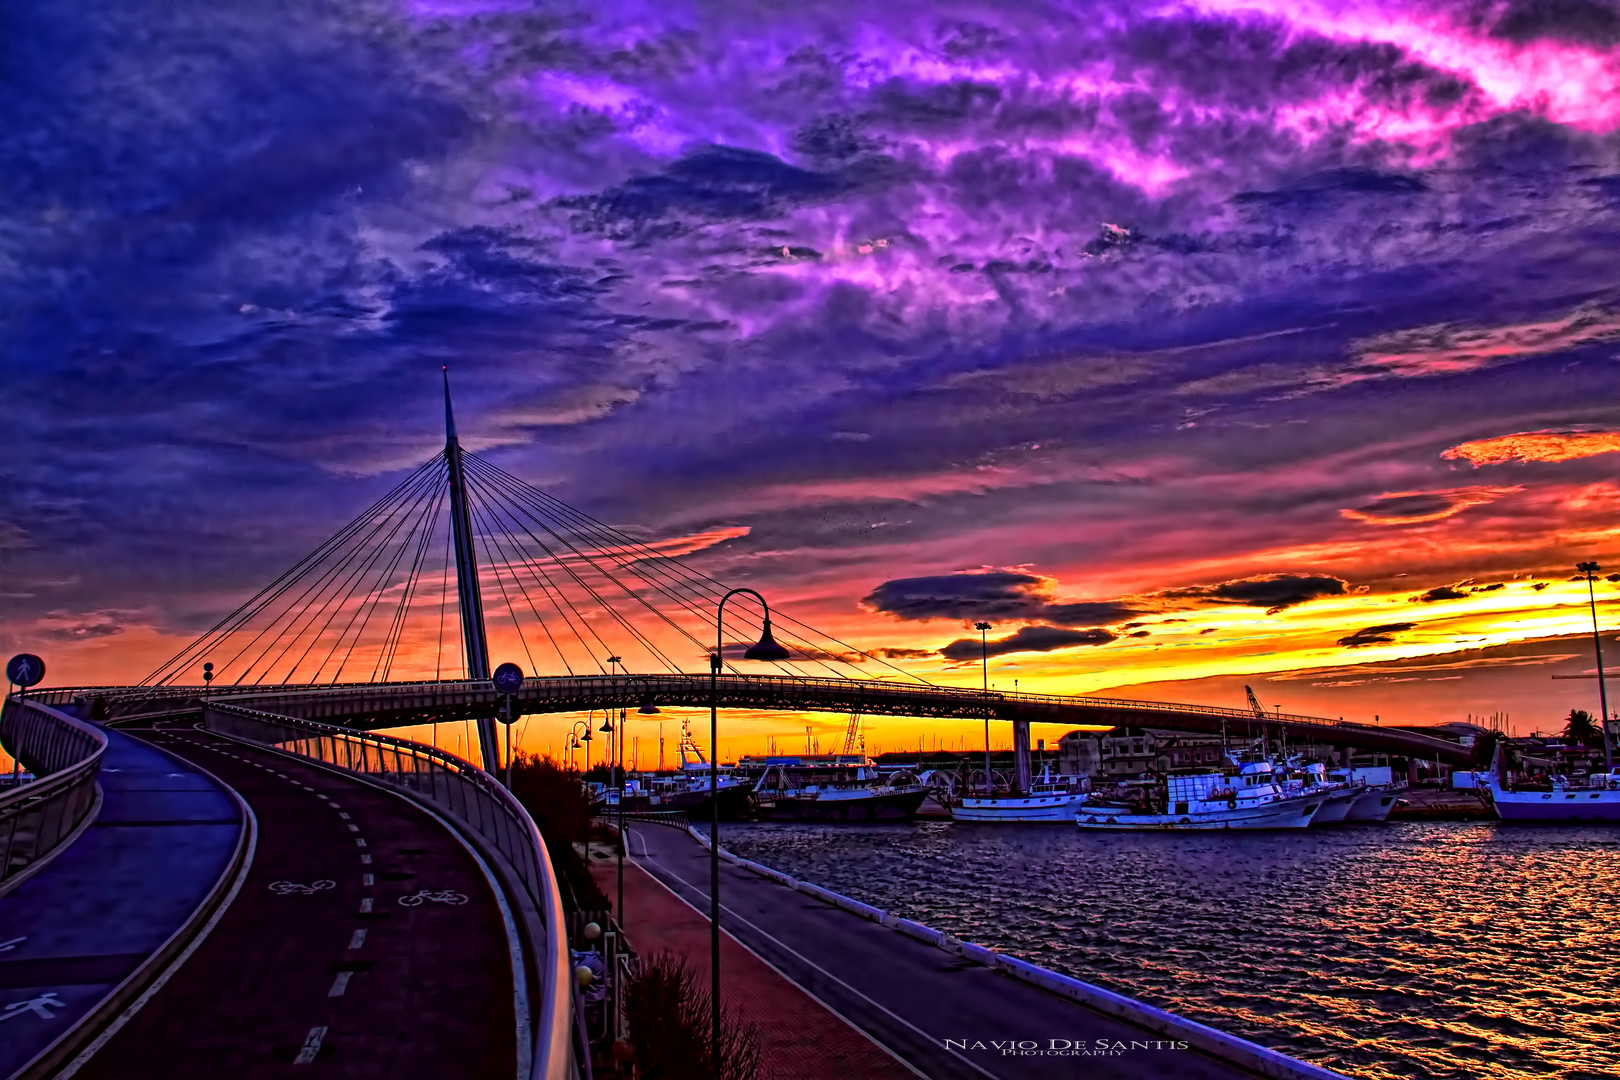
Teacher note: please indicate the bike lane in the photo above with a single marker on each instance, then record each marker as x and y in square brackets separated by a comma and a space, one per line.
[318, 962]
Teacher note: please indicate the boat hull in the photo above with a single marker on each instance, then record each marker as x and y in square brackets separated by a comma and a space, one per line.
[887, 806]
[736, 804]
[1336, 809]
[1373, 805]
[1283, 814]
[1570, 807]
[1058, 809]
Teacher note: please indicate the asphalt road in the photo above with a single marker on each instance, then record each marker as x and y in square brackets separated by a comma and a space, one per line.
[100, 909]
[317, 961]
[948, 1018]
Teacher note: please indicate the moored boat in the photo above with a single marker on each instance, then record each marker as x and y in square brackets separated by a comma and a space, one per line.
[1049, 799]
[1559, 800]
[1245, 798]
[836, 792]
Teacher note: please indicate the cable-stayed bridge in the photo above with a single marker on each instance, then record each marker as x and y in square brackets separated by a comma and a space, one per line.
[380, 624]
[274, 856]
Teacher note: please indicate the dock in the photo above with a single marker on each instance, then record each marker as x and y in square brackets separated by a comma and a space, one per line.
[943, 1016]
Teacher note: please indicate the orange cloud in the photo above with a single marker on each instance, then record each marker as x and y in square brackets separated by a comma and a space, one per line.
[1449, 349]
[1416, 507]
[1536, 446]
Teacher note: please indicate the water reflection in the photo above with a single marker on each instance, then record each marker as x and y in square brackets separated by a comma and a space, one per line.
[1442, 950]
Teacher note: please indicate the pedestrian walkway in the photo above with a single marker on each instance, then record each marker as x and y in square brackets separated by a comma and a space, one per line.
[949, 1018]
[99, 911]
[800, 1038]
[365, 940]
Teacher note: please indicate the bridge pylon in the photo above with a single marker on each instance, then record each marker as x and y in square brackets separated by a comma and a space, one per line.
[469, 595]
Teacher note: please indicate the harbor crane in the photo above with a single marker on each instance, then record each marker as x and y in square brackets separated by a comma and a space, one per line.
[1259, 711]
[851, 735]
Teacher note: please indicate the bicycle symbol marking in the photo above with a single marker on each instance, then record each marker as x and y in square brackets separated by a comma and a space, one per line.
[443, 896]
[289, 888]
[40, 1006]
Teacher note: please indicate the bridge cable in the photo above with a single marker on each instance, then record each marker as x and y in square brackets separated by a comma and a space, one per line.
[662, 590]
[175, 664]
[710, 587]
[348, 586]
[300, 607]
[629, 592]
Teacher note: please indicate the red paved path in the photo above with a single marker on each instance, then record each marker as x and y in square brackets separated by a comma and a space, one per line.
[429, 993]
[802, 1039]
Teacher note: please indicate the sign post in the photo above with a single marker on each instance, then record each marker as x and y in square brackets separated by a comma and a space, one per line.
[508, 680]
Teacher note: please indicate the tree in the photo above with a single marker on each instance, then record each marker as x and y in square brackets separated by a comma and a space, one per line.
[1485, 750]
[1581, 729]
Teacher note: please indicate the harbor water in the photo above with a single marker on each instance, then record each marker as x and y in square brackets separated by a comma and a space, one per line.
[1443, 950]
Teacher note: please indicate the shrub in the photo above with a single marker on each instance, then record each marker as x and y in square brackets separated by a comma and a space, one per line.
[668, 1016]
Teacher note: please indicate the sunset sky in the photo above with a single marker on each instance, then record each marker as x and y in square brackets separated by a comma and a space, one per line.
[1192, 345]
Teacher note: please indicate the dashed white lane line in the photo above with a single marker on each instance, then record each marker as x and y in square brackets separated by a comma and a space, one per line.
[344, 815]
[311, 1047]
[367, 879]
[359, 841]
[340, 984]
[365, 859]
[354, 828]
[365, 905]
[357, 939]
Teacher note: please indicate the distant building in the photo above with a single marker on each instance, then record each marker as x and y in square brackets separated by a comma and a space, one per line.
[1131, 751]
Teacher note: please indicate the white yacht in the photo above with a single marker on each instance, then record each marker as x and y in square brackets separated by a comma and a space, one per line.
[1245, 798]
[1051, 798]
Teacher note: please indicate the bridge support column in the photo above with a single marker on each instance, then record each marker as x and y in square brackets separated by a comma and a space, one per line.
[1021, 753]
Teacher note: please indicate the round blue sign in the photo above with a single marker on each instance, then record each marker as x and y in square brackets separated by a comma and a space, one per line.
[25, 669]
[508, 678]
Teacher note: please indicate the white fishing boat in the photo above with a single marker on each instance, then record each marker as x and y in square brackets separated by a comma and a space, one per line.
[1314, 779]
[1375, 790]
[1247, 797]
[1049, 799]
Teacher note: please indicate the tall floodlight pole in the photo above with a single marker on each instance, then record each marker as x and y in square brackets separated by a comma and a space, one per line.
[1590, 569]
[765, 649]
[467, 590]
[984, 670]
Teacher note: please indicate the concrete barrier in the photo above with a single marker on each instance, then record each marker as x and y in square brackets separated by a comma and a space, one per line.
[916, 930]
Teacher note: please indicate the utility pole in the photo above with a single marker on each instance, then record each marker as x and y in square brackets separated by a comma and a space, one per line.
[467, 590]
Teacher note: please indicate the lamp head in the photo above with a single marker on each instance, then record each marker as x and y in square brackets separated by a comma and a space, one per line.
[766, 648]
[607, 725]
[587, 734]
[649, 709]
[1588, 567]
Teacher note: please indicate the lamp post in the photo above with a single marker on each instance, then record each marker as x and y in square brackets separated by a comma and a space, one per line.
[984, 668]
[1590, 570]
[647, 709]
[765, 649]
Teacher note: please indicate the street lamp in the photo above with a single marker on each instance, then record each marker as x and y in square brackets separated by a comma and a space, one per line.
[765, 649]
[984, 668]
[1590, 570]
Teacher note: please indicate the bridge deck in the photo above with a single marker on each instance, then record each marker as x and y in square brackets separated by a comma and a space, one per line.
[99, 910]
[907, 995]
[391, 991]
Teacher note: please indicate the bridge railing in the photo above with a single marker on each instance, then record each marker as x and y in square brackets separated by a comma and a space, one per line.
[64, 754]
[475, 799]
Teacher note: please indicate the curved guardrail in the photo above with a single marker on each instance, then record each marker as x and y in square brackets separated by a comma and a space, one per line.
[472, 797]
[64, 754]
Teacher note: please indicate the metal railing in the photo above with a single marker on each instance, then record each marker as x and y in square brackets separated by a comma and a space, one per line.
[64, 754]
[473, 798]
